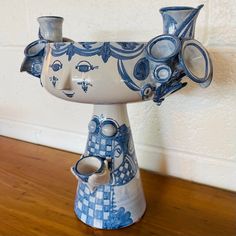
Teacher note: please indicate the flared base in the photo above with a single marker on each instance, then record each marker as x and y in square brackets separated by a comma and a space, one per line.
[119, 202]
[110, 207]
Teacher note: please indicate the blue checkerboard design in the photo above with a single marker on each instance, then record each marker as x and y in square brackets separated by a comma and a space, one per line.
[98, 209]
[100, 146]
[127, 170]
[94, 208]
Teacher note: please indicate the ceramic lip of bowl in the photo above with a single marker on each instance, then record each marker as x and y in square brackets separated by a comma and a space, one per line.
[174, 40]
[57, 18]
[208, 64]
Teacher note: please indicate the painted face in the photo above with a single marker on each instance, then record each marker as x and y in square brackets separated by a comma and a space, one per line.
[105, 140]
[95, 72]
[114, 143]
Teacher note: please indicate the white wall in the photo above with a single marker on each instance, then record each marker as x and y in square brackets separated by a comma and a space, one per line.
[192, 135]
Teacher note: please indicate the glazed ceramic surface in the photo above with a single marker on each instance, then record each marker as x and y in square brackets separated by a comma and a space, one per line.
[109, 195]
[109, 75]
[96, 73]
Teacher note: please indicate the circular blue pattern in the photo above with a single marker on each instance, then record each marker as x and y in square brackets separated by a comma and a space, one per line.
[162, 73]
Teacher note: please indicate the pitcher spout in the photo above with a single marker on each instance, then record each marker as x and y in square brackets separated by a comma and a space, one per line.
[93, 171]
[180, 21]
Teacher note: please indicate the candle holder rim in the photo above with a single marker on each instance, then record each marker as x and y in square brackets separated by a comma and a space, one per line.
[50, 17]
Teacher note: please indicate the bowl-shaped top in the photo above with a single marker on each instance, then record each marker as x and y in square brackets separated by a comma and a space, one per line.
[96, 72]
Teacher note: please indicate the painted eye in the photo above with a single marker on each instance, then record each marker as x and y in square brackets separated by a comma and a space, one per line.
[56, 65]
[108, 128]
[93, 126]
[85, 66]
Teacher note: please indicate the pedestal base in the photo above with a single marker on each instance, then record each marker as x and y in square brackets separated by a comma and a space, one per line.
[120, 202]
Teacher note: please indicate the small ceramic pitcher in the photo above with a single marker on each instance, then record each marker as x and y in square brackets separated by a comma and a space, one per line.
[92, 170]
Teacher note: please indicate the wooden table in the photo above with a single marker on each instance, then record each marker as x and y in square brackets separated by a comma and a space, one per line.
[37, 193]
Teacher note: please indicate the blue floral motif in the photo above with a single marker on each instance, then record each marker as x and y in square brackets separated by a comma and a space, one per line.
[54, 80]
[84, 85]
[118, 219]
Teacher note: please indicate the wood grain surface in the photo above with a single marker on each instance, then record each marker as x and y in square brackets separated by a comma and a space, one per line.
[37, 194]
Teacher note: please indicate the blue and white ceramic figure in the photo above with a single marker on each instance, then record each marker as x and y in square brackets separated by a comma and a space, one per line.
[107, 170]
[110, 75]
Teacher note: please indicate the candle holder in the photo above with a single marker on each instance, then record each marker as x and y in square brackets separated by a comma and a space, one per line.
[110, 75]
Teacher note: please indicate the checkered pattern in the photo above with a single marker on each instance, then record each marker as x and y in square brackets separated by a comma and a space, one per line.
[94, 208]
[99, 146]
[125, 172]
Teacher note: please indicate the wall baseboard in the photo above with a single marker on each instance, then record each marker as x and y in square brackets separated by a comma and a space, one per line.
[210, 171]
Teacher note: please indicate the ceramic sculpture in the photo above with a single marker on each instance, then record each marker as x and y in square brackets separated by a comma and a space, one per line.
[110, 75]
